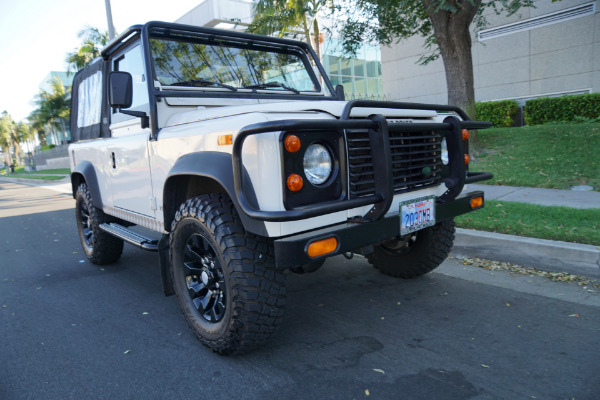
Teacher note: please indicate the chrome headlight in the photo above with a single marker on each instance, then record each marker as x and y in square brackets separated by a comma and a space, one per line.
[317, 164]
[444, 152]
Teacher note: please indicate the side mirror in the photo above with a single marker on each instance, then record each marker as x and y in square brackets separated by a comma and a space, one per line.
[120, 95]
[120, 89]
[339, 91]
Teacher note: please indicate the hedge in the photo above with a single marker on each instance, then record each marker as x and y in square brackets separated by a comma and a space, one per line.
[562, 109]
[500, 113]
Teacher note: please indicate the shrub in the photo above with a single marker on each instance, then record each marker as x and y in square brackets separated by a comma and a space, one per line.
[48, 147]
[577, 108]
[500, 113]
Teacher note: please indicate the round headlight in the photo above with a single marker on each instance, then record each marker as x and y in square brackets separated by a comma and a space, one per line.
[317, 164]
[444, 152]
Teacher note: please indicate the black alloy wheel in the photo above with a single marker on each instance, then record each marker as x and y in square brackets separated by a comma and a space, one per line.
[85, 230]
[204, 278]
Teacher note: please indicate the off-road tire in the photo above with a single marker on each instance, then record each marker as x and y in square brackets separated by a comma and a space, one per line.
[207, 235]
[416, 255]
[99, 247]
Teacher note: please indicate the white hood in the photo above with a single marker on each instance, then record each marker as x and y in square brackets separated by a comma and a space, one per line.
[333, 108]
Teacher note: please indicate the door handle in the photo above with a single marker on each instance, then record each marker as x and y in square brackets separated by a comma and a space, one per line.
[113, 162]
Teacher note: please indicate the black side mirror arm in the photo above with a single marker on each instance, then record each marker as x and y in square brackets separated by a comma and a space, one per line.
[139, 114]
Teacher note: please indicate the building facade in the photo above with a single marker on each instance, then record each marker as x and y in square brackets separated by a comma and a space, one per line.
[550, 50]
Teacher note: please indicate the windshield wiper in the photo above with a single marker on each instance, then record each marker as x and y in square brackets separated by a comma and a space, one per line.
[203, 83]
[269, 85]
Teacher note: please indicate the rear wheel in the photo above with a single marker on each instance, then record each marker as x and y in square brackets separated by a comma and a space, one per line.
[416, 254]
[99, 247]
[225, 278]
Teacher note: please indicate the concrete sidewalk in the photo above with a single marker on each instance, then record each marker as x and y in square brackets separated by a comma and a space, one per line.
[543, 197]
[580, 259]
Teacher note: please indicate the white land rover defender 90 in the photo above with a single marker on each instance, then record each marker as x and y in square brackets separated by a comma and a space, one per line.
[238, 151]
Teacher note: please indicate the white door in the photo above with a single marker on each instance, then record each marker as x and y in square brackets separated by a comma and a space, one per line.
[128, 148]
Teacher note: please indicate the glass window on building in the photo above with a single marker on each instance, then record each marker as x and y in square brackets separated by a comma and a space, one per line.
[360, 76]
[346, 67]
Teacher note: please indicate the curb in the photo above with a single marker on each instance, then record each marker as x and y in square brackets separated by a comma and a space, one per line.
[551, 255]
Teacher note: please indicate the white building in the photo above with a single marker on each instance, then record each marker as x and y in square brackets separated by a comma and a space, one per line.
[550, 50]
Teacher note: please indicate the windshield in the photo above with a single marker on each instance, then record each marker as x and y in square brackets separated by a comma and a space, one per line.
[230, 66]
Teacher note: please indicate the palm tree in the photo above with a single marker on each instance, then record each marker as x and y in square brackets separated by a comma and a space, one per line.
[286, 17]
[5, 136]
[25, 135]
[53, 109]
[38, 126]
[9, 138]
[93, 41]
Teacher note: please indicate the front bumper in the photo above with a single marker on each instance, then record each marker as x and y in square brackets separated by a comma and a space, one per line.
[292, 251]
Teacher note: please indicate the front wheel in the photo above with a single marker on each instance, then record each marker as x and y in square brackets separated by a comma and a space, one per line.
[225, 278]
[416, 254]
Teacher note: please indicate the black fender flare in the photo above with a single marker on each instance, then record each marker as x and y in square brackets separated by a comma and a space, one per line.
[86, 172]
[218, 167]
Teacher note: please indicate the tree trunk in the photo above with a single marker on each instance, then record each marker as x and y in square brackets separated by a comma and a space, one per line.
[317, 39]
[451, 30]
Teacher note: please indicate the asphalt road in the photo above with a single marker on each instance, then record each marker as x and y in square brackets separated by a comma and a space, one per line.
[73, 330]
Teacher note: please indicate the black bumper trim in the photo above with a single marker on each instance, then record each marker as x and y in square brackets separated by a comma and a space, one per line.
[291, 251]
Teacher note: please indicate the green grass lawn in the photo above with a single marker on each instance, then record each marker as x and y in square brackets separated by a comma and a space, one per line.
[548, 156]
[555, 223]
[45, 174]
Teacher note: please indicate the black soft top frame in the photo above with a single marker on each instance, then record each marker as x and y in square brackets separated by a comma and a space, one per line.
[170, 30]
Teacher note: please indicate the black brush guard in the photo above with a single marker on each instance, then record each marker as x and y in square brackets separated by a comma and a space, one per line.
[379, 137]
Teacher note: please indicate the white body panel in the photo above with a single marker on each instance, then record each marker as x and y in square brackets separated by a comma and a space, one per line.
[130, 178]
[143, 166]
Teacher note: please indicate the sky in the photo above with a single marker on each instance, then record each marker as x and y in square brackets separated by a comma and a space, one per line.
[36, 35]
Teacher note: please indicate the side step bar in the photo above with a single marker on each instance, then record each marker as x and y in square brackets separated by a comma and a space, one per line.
[130, 236]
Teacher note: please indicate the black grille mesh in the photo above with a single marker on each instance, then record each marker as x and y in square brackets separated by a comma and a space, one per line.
[416, 161]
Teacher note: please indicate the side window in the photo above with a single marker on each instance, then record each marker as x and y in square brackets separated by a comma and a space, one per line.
[132, 61]
[89, 100]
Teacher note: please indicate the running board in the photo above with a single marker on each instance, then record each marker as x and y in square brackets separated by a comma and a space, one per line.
[130, 236]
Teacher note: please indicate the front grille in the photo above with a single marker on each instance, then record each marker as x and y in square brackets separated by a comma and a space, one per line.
[416, 161]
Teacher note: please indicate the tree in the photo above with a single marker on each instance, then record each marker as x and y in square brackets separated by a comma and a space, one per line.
[53, 109]
[25, 134]
[288, 17]
[93, 41]
[445, 25]
[38, 127]
[7, 132]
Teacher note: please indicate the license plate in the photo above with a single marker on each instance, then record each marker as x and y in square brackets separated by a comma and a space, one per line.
[417, 214]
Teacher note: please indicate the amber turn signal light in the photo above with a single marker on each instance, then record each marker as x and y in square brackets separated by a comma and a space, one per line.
[467, 159]
[224, 140]
[465, 134]
[294, 182]
[292, 143]
[476, 202]
[322, 247]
